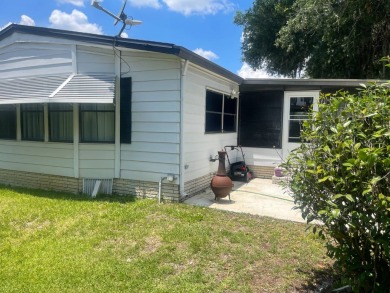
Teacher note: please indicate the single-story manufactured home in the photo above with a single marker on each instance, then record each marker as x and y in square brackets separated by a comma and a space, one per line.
[80, 111]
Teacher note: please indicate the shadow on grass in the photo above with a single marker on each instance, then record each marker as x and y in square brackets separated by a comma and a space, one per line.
[56, 195]
[322, 280]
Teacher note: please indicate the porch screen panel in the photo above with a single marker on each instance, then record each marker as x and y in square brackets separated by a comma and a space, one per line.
[32, 122]
[260, 119]
[7, 122]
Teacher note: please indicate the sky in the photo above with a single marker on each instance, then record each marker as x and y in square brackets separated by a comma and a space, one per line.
[203, 26]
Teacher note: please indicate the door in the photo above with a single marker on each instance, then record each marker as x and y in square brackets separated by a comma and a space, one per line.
[297, 105]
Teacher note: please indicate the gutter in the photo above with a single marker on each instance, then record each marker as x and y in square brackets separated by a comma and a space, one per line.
[184, 68]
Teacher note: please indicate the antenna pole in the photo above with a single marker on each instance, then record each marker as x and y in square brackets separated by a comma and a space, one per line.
[122, 29]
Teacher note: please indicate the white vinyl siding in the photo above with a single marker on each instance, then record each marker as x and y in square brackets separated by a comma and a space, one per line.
[96, 160]
[155, 147]
[33, 59]
[37, 157]
[198, 146]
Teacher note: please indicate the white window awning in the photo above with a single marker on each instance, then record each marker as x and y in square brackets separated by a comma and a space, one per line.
[79, 88]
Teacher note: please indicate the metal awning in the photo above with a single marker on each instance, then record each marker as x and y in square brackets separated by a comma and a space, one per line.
[79, 88]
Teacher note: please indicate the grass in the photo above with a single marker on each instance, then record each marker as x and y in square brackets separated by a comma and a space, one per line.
[55, 242]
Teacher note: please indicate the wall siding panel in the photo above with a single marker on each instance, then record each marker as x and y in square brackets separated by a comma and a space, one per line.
[154, 151]
[26, 59]
[198, 145]
[37, 157]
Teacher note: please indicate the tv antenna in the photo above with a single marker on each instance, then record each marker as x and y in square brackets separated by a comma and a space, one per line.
[120, 17]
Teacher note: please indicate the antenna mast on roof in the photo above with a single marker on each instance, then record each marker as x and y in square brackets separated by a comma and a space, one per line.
[120, 17]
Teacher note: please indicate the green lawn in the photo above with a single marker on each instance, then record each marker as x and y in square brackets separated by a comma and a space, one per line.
[55, 242]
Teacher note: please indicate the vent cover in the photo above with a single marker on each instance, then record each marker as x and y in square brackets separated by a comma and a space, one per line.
[104, 188]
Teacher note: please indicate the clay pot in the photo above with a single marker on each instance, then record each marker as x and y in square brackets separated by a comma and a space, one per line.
[221, 184]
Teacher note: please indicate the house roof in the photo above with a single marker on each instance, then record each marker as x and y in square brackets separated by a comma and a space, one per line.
[251, 85]
[150, 46]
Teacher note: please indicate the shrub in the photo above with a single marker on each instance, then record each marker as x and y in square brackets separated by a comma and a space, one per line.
[340, 178]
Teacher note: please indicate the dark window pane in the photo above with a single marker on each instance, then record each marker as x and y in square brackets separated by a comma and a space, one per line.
[229, 123]
[32, 122]
[294, 132]
[261, 116]
[61, 122]
[213, 122]
[230, 105]
[7, 122]
[214, 101]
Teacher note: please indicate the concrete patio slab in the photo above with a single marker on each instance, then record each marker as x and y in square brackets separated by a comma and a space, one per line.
[258, 197]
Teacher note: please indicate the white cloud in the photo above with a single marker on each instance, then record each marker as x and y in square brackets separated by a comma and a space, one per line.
[79, 3]
[146, 3]
[26, 20]
[76, 21]
[188, 7]
[210, 55]
[247, 72]
[124, 35]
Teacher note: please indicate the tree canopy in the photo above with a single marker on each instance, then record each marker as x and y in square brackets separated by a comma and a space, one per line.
[317, 38]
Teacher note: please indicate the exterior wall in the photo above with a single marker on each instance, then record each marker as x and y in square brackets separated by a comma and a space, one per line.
[264, 172]
[198, 146]
[27, 59]
[40, 181]
[155, 148]
[95, 60]
[96, 160]
[262, 156]
[141, 189]
[37, 157]
[198, 185]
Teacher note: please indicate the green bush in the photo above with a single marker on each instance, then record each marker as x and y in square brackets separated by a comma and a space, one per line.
[340, 181]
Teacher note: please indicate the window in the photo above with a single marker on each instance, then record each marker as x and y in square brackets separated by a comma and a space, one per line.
[7, 122]
[221, 112]
[261, 118]
[97, 123]
[32, 122]
[299, 112]
[61, 122]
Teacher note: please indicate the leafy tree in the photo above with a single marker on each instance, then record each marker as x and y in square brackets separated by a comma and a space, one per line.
[327, 38]
[341, 178]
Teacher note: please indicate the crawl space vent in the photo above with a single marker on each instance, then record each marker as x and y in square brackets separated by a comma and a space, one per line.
[94, 186]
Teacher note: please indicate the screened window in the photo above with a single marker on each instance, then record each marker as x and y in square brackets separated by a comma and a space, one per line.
[97, 123]
[61, 122]
[32, 122]
[221, 112]
[7, 122]
[261, 118]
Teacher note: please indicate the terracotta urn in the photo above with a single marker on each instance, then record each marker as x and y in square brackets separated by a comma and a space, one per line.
[221, 184]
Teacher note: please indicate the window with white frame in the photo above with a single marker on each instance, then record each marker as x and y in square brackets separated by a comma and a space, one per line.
[299, 112]
[221, 112]
[32, 116]
[61, 122]
[97, 123]
[7, 122]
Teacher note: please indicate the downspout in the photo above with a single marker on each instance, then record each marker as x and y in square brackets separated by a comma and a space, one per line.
[184, 68]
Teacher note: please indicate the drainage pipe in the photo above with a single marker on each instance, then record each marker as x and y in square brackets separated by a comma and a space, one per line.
[160, 188]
